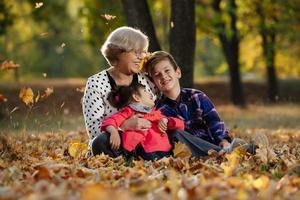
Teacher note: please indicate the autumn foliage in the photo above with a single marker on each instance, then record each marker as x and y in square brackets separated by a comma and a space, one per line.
[59, 166]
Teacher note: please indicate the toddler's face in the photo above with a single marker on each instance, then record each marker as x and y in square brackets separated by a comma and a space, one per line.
[147, 98]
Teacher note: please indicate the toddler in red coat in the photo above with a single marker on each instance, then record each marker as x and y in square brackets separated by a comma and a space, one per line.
[134, 99]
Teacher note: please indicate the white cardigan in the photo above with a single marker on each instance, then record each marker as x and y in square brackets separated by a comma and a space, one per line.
[95, 104]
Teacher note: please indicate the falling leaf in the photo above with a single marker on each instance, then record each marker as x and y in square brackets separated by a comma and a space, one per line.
[47, 93]
[44, 75]
[37, 97]
[181, 150]
[63, 45]
[80, 89]
[2, 98]
[44, 35]
[39, 4]
[143, 62]
[108, 17]
[26, 95]
[77, 149]
[13, 110]
[172, 24]
[7, 65]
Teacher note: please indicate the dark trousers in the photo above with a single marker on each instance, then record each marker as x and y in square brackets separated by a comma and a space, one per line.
[197, 146]
[101, 144]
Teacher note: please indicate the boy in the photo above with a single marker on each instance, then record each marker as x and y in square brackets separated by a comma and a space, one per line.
[204, 129]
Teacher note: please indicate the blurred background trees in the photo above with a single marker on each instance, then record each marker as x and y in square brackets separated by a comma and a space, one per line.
[235, 39]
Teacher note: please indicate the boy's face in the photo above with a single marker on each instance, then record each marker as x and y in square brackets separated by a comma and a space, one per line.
[165, 77]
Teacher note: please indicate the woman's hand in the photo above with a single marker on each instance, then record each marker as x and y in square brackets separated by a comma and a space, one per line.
[115, 139]
[136, 122]
[163, 124]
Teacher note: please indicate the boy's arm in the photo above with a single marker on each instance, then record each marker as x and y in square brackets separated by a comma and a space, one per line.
[213, 121]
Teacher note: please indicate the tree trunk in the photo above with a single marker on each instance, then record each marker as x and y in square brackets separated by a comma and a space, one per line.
[268, 42]
[138, 15]
[183, 37]
[230, 46]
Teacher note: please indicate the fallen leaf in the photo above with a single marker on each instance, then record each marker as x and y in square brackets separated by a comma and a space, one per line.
[181, 150]
[77, 149]
[26, 95]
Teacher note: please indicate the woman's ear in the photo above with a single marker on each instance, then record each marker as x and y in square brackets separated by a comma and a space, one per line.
[136, 97]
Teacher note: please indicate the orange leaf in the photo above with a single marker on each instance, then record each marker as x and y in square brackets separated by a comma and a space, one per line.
[2, 98]
[26, 95]
[7, 65]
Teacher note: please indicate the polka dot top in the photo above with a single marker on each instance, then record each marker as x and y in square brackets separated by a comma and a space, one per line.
[95, 104]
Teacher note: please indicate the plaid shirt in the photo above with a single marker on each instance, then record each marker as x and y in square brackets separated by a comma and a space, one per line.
[198, 113]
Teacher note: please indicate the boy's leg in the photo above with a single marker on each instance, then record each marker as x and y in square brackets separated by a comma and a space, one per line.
[198, 146]
[101, 144]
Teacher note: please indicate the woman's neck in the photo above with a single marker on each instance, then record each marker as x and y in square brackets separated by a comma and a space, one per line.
[119, 77]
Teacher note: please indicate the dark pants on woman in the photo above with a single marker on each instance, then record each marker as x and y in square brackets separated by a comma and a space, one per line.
[101, 144]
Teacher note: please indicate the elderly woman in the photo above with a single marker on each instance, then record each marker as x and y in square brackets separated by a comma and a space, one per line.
[124, 50]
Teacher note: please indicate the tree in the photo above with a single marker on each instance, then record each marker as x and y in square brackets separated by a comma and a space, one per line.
[138, 15]
[230, 44]
[267, 31]
[182, 38]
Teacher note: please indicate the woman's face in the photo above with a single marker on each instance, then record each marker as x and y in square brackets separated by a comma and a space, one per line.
[128, 62]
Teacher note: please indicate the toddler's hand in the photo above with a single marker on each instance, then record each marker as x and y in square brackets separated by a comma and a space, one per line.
[163, 124]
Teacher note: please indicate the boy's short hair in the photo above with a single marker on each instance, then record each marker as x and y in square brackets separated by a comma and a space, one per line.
[157, 57]
[123, 39]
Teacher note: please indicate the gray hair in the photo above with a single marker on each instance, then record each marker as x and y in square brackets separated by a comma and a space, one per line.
[123, 39]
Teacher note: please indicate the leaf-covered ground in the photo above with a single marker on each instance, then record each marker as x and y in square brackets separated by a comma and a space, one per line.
[50, 166]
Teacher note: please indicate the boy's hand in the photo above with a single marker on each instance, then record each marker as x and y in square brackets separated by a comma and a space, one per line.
[136, 122]
[224, 144]
[163, 124]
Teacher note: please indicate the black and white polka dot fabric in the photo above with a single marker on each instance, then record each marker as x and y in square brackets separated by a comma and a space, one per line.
[95, 104]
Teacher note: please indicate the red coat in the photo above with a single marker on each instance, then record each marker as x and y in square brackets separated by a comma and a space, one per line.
[152, 140]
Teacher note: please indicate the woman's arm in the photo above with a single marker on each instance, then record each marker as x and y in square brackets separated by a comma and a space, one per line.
[93, 108]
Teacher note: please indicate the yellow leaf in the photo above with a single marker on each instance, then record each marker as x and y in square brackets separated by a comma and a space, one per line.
[7, 65]
[39, 4]
[143, 62]
[232, 163]
[26, 95]
[181, 150]
[261, 183]
[77, 149]
[108, 17]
